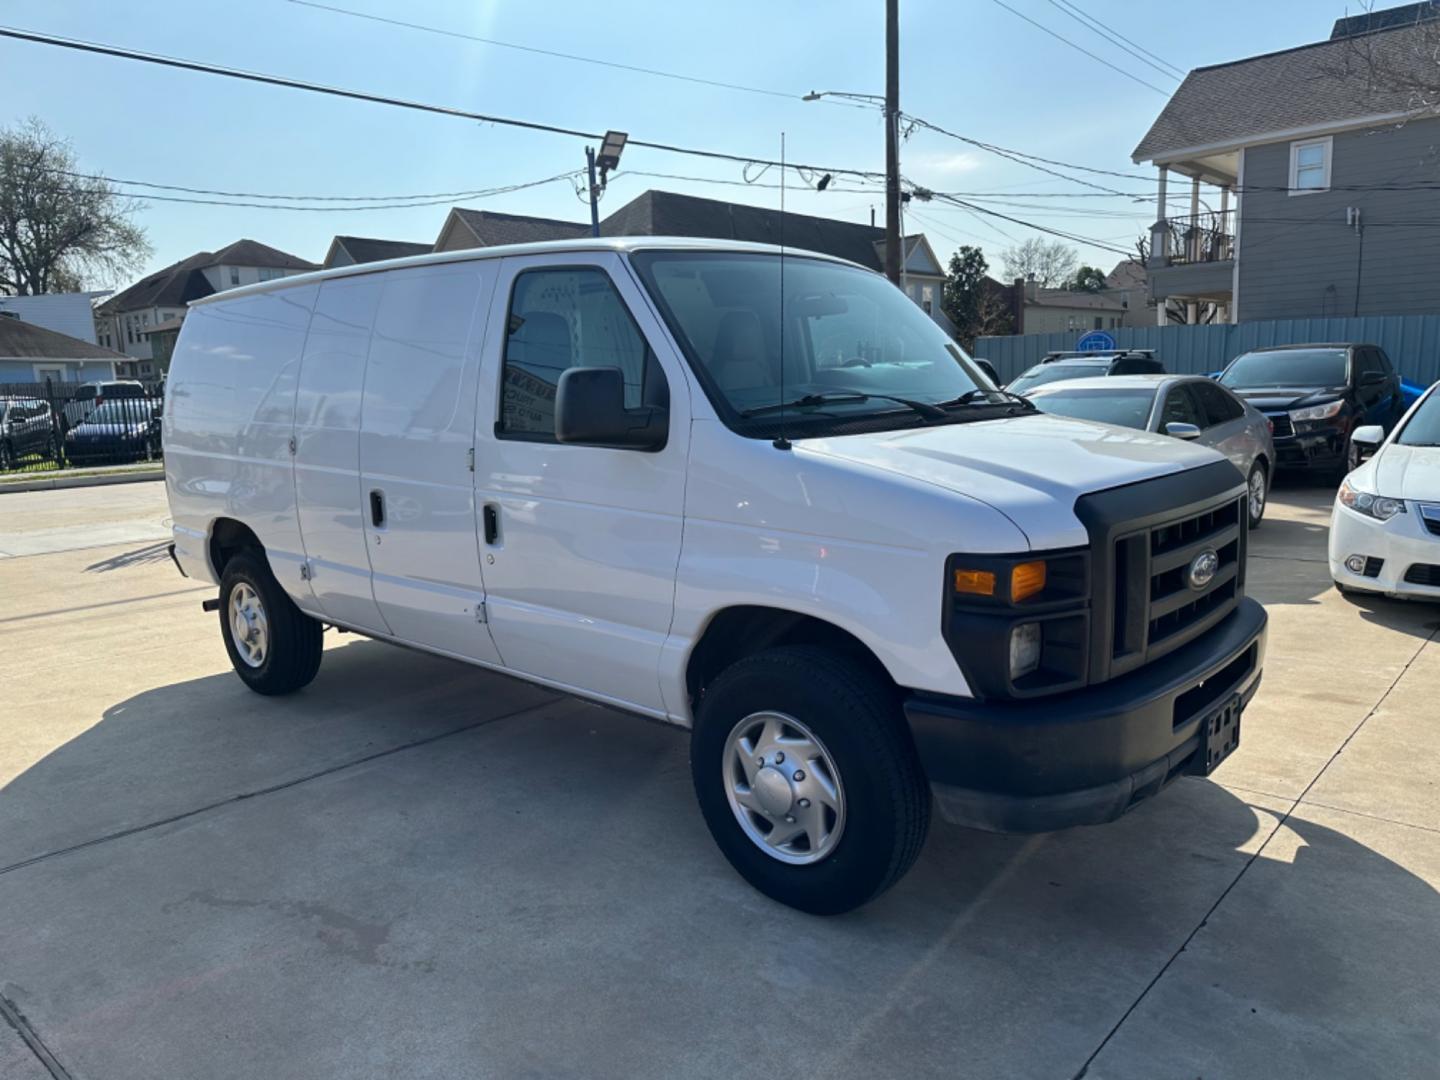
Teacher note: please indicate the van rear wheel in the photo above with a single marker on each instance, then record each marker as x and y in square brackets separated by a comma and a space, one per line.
[808, 780]
[274, 647]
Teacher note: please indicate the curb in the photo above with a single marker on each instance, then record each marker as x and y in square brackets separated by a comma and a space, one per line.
[58, 482]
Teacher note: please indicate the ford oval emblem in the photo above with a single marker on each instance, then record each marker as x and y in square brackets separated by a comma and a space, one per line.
[1202, 569]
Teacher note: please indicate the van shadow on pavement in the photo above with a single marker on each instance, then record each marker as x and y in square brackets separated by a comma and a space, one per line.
[528, 889]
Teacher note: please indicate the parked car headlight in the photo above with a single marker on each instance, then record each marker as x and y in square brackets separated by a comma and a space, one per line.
[1378, 507]
[1317, 412]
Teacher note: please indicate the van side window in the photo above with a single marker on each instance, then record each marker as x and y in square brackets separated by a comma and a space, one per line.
[561, 319]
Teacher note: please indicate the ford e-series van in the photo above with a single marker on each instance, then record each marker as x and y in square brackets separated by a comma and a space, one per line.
[756, 494]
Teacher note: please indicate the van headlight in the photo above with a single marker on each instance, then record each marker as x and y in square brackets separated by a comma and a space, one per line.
[1317, 412]
[1379, 507]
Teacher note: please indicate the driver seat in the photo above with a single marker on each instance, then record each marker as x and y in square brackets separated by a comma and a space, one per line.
[739, 360]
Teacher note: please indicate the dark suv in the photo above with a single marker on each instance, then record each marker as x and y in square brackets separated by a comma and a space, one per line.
[1315, 396]
[26, 427]
[1083, 365]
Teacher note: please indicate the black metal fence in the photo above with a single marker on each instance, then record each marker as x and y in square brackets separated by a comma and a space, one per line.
[52, 425]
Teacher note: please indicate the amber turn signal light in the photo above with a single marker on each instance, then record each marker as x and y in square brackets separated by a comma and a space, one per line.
[975, 582]
[1026, 579]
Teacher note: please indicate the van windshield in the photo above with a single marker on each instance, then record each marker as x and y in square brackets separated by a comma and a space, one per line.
[843, 340]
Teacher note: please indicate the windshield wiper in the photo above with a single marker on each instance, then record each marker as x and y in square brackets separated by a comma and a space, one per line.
[847, 397]
[980, 396]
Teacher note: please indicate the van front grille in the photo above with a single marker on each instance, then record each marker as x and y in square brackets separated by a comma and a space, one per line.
[1175, 580]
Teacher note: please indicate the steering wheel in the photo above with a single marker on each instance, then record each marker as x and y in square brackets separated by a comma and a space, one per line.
[856, 361]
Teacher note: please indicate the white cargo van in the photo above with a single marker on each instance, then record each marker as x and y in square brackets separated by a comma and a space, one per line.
[758, 495]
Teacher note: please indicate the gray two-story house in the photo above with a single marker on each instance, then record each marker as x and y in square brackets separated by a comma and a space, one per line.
[1303, 183]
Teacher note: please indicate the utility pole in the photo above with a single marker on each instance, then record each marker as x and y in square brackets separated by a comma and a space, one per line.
[892, 141]
[594, 192]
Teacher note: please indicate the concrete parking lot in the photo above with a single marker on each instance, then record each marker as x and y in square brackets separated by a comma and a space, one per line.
[417, 869]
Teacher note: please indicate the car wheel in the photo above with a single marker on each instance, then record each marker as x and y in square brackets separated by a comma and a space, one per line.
[1352, 458]
[274, 647]
[807, 778]
[1258, 493]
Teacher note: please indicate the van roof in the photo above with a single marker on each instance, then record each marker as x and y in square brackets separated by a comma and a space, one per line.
[612, 243]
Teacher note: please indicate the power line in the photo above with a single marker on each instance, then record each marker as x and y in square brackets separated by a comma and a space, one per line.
[146, 196]
[1080, 48]
[1072, 237]
[380, 99]
[1123, 43]
[634, 68]
[401, 199]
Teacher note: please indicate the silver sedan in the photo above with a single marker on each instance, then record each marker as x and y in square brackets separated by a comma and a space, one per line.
[1183, 406]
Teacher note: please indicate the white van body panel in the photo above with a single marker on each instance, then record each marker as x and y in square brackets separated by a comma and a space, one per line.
[582, 583]
[417, 428]
[842, 541]
[227, 429]
[327, 451]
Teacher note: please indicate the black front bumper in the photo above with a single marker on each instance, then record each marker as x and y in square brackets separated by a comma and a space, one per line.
[1088, 756]
[1324, 449]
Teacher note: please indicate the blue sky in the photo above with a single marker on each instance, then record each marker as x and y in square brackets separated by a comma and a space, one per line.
[968, 65]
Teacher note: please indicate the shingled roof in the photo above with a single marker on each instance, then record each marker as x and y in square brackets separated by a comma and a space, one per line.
[664, 213]
[493, 229]
[1241, 102]
[20, 340]
[181, 282]
[367, 249]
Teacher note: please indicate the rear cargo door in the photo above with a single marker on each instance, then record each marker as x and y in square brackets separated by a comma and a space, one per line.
[327, 450]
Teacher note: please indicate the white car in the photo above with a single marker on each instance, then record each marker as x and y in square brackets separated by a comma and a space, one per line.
[759, 496]
[1385, 528]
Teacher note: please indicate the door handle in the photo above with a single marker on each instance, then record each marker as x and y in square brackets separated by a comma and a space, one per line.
[491, 516]
[377, 509]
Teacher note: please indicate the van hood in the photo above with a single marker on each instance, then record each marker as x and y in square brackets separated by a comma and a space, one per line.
[1406, 472]
[1029, 468]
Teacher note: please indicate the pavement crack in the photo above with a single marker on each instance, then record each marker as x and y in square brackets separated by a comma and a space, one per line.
[17, 1020]
[273, 788]
[1279, 824]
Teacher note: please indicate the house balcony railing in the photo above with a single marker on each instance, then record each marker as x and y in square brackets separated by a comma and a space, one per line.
[1197, 238]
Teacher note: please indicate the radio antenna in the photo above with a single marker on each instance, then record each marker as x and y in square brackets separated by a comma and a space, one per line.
[781, 442]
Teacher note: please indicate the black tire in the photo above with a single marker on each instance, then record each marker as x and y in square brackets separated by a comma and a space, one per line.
[1255, 519]
[1351, 462]
[856, 715]
[294, 640]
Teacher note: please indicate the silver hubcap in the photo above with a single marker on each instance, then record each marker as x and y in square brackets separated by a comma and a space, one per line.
[784, 788]
[248, 625]
[1257, 494]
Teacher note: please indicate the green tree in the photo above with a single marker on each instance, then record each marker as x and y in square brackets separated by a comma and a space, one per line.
[971, 300]
[59, 226]
[1086, 279]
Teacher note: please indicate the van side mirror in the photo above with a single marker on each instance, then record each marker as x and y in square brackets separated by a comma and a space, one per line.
[590, 411]
[1372, 378]
[1178, 429]
[1367, 439]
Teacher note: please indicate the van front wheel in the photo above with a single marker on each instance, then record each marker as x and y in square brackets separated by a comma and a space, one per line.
[274, 646]
[808, 780]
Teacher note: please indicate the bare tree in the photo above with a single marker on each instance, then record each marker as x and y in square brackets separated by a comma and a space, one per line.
[59, 228]
[1386, 71]
[1049, 262]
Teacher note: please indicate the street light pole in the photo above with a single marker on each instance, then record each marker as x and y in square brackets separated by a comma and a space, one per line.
[892, 141]
[594, 192]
